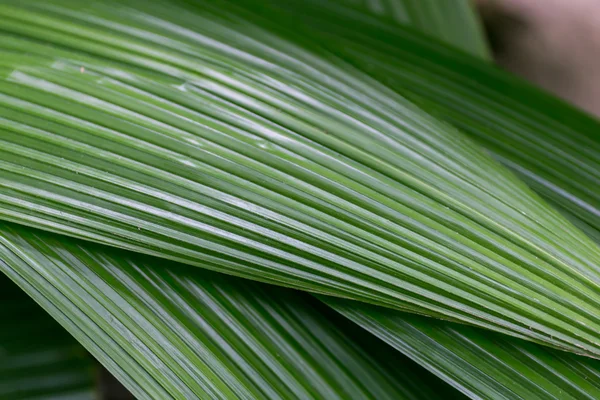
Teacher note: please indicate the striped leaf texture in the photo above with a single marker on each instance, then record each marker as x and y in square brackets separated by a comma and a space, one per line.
[171, 331]
[480, 364]
[206, 135]
[38, 358]
[553, 147]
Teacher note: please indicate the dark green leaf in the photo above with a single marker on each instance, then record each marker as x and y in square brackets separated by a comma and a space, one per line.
[169, 331]
[38, 359]
[452, 21]
[481, 364]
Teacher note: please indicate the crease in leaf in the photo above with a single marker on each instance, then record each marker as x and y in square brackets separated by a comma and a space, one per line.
[195, 135]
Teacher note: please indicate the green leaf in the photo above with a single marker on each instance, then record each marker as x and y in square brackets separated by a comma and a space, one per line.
[451, 21]
[481, 364]
[170, 331]
[38, 359]
[205, 136]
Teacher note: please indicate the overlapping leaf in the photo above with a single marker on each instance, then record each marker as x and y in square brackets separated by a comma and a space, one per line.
[170, 331]
[504, 383]
[481, 364]
[38, 359]
[196, 135]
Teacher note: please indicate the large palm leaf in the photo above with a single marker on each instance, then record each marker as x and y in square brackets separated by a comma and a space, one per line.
[401, 220]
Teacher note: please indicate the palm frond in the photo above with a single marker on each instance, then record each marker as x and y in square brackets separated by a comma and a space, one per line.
[207, 134]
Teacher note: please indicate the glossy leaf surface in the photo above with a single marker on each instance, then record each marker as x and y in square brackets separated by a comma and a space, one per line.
[480, 364]
[202, 135]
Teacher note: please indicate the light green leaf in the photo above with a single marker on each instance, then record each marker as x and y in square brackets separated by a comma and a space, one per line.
[38, 359]
[197, 134]
[170, 331]
[481, 364]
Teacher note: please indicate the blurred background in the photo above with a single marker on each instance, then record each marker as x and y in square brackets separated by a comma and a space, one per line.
[552, 43]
